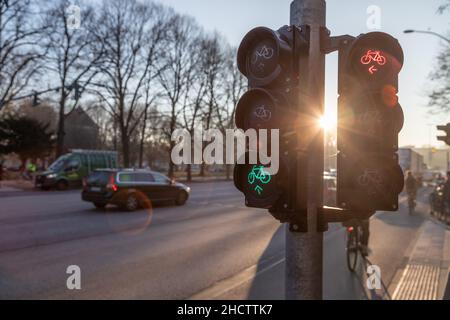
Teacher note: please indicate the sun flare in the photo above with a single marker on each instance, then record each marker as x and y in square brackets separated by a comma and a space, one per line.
[327, 122]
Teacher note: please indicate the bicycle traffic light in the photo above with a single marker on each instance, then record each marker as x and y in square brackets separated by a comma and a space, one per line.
[445, 138]
[270, 61]
[370, 119]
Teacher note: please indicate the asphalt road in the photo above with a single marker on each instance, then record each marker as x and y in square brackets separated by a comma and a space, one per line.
[212, 243]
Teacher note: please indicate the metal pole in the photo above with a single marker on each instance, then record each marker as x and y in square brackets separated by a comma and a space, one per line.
[304, 251]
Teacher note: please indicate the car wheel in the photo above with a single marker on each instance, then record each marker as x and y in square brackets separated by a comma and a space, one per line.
[62, 185]
[132, 202]
[181, 198]
[100, 205]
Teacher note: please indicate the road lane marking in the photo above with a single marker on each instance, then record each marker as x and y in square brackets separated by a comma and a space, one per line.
[224, 286]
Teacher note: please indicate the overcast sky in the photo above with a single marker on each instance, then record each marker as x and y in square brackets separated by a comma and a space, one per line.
[234, 18]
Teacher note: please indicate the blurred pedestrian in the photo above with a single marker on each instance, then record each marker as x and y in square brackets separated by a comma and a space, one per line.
[411, 186]
[30, 171]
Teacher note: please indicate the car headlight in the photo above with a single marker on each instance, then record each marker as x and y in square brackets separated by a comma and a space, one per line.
[51, 176]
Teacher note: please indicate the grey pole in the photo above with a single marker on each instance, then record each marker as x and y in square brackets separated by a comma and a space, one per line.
[304, 251]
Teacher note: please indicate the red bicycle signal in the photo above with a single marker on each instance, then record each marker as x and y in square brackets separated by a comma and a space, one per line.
[375, 56]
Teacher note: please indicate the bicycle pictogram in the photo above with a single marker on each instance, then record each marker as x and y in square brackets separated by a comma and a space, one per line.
[264, 53]
[259, 174]
[372, 179]
[263, 113]
[375, 56]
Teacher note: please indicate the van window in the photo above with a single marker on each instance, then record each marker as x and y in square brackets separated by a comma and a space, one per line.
[84, 162]
[73, 163]
[101, 160]
[58, 164]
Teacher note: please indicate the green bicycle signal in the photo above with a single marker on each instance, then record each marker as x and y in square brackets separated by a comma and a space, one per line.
[259, 174]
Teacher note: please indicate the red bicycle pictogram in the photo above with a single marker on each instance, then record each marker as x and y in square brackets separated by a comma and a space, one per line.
[375, 56]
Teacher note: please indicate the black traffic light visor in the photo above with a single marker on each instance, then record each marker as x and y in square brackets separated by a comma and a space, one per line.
[261, 56]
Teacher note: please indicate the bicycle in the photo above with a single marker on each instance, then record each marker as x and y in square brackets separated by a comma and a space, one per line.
[354, 244]
[411, 203]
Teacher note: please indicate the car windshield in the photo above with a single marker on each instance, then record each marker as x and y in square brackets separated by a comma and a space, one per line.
[58, 164]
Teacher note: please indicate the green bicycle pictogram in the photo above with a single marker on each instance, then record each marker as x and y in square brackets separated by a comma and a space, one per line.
[258, 174]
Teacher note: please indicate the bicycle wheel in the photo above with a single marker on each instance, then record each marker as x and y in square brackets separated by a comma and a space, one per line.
[352, 249]
[411, 206]
[366, 59]
[381, 61]
[251, 178]
[265, 178]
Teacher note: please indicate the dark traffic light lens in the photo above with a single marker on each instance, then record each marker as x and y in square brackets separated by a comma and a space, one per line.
[261, 114]
[378, 177]
[262, 59]
[257, 109]
[373, 182]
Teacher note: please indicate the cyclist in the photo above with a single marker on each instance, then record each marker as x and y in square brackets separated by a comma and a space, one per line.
[364, 228]
[447, 192]
[411, 188]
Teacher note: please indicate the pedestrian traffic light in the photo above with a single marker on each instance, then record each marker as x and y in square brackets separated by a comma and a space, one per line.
[370, 119]
[270, 61]
[445, 138]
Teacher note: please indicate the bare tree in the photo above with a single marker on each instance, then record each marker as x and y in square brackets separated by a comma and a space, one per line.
[439, 97]
[74, 51]
[150, 115]
[180, 61]
[19, 57]
[134, 35]
[234, 85]
[214, 66]
[444, 7]
[194, 103]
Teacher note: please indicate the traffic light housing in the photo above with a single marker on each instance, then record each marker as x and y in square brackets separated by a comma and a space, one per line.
[445, 138]
[370, 119]
[270, 61]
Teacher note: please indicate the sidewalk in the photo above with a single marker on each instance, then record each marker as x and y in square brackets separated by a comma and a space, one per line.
[16, 185]
[426, 273]
[8, 189]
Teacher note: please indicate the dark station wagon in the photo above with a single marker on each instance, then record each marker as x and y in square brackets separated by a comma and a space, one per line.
[132, 189]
